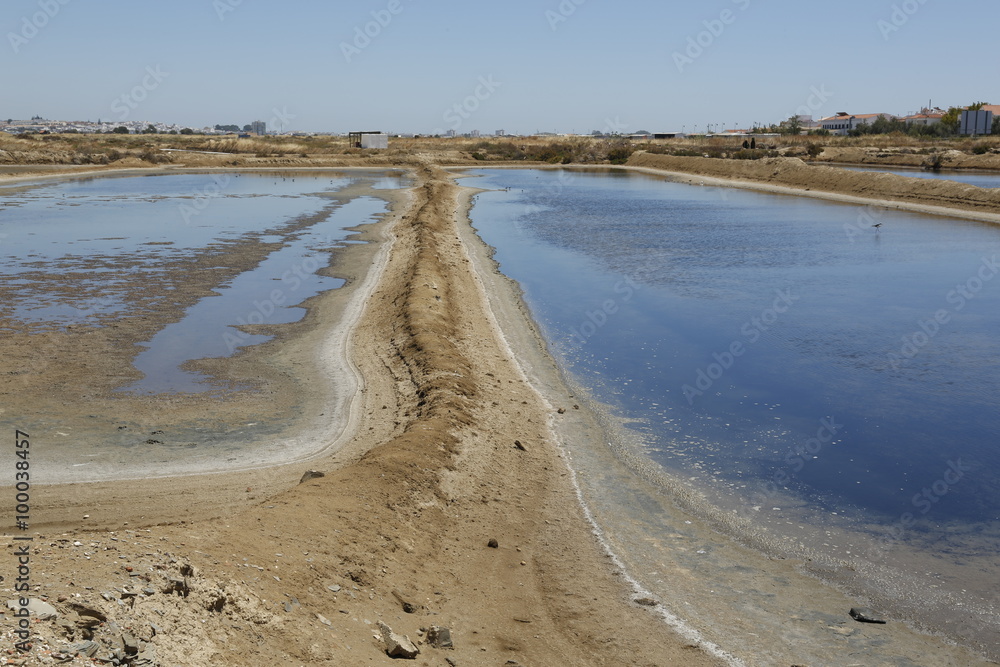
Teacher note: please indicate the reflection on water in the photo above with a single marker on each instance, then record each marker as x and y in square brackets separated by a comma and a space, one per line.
[268, 294]
[808, 371]
[77, 249]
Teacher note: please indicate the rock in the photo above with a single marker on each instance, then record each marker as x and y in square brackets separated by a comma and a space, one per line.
[518, 445]
[87, 612]
[335, 588]
[439, 637]
[43, 610]
[131, 643]
[324, 620]
[311, 474]
[646, 602]
[397, 646]
[865, 615]
[561, 411]
[174, 585]
[493, 544]
[88, 648]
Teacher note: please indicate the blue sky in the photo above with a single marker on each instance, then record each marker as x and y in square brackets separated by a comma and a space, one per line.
[522, 66]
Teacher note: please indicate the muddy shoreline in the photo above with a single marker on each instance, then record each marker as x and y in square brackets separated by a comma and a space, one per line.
[84, 365]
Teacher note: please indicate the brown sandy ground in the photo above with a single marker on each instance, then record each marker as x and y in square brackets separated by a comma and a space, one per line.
[908, 157]
[279, 573]
[303, 576]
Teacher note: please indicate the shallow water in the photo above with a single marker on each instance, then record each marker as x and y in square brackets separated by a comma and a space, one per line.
[88, 229]
[982, 179]
[832, 385]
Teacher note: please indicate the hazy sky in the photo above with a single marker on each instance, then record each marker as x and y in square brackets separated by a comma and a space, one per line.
[519, 65]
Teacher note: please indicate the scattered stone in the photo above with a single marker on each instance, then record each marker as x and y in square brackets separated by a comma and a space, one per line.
[324, 620]
[865, 615]
[451, 661]
[397, 646]
[517, 444]
[561, 411]
[439, 637]
[149, 590]
[174, 585]
[335, 588]
[493, 544]
[311, 474]
[87, 648]
[43, 610]
[156, 629]
[131, 643]
[646, 602]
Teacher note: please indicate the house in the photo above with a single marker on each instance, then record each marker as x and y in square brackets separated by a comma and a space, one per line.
[843, 122]
[927, 116]
[368, 140]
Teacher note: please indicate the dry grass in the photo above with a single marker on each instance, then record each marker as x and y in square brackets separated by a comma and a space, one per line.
[109, 148]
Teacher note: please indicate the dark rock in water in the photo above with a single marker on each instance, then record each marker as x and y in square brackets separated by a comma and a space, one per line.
[493, 544]
[311, 474]
[397, 646]
[439, 637]
[865, 615]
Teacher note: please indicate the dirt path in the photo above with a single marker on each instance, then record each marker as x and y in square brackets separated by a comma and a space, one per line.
[303, 575]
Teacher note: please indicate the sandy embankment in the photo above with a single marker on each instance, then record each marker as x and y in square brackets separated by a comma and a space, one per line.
[793, 176]
[434, 473]
[290, 574]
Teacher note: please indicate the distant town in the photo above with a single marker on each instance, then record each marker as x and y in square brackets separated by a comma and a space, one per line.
[974, 119]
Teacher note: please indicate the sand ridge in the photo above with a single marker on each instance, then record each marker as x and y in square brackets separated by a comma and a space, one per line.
[436, 475]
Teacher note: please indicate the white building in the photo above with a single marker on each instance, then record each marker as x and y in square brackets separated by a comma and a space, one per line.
[843, 122]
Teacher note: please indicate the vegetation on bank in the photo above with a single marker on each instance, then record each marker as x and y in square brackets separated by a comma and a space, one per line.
[108, 149]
